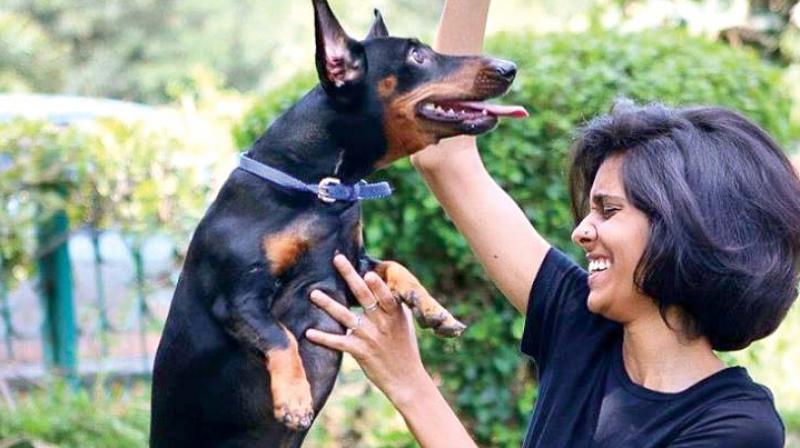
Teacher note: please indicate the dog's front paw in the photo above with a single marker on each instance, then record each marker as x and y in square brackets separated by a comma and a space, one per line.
[429, 314]
[443, 324]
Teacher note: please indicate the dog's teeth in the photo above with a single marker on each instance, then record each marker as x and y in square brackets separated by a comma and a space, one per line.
[484, 112]
[429, 106]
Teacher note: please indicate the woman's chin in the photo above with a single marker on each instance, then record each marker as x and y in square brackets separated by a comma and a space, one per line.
[593, 303]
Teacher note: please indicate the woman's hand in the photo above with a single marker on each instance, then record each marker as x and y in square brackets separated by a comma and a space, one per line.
[382, 339]
[443, 154]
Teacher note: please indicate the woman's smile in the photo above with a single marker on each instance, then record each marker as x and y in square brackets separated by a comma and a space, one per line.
[598, 271]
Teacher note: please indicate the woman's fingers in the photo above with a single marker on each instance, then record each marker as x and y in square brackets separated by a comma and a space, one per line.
[346, 343]
[332, 341]
[335, 309]
[354, 281]
[380, 290]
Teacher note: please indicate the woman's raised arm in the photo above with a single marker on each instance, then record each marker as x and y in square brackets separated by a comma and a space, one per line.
[505, 242]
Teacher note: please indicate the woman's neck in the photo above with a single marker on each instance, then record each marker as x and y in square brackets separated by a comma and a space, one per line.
[659, 358]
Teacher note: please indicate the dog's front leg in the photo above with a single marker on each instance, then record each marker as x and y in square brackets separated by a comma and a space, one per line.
[245, 315]
[406, 287]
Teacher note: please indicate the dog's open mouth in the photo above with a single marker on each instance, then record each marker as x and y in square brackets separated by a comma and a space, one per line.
[471, 116]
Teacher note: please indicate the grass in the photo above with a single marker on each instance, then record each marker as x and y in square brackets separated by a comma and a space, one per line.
[65, 417]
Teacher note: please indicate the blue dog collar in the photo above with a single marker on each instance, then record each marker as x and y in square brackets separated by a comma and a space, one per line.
[328, 190]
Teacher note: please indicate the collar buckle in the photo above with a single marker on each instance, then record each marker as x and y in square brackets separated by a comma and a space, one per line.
[323, 193]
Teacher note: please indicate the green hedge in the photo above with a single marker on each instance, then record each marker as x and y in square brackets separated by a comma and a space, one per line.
[135, 177]
[563, 80]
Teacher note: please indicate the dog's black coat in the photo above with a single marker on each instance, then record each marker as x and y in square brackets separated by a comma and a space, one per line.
[209, 381]
[210, 384]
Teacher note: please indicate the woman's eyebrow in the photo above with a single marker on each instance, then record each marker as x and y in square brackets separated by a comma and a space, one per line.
[601, 198]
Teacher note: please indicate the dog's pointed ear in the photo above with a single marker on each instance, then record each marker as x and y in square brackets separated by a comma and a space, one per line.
[378, 28]
[341, 62]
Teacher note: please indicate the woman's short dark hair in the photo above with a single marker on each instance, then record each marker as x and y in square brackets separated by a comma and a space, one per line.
[723, 203]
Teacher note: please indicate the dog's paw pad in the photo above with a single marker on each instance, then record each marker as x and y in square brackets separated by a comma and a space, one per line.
[295, 419]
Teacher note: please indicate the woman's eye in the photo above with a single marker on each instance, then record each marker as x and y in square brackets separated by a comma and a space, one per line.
[605, 212]
[608, 211]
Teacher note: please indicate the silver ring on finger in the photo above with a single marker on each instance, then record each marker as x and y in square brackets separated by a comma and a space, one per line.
[371, 307]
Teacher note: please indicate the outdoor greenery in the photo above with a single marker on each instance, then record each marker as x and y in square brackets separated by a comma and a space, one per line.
[117, 416]
[563, 80]
[131, 177]
[145, 50]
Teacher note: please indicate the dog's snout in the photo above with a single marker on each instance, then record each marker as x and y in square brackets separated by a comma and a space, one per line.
[506, 69]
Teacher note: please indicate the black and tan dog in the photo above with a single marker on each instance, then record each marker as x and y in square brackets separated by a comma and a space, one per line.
[233, 368]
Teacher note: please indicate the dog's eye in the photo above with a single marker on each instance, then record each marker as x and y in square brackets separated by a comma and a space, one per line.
[417, 56]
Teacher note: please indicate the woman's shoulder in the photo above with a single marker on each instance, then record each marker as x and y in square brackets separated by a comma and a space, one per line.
[740, 413]
[741, 423]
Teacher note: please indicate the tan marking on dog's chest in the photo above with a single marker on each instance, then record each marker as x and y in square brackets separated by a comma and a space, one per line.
[284, 248]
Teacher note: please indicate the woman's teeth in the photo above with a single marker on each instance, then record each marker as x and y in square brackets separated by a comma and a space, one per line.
[598, 265]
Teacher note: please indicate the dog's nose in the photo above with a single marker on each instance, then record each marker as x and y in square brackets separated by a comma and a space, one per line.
[506, 69]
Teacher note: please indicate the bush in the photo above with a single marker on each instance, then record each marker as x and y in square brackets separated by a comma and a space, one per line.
[563, 80]
[137, 178]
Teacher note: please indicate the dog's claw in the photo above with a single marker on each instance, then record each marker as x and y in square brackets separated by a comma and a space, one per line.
[450, 329]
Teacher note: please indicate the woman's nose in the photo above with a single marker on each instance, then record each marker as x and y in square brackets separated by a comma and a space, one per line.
[584, 233]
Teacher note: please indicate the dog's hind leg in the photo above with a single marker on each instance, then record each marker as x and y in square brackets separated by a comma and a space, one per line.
[245, 315]
[406, 287]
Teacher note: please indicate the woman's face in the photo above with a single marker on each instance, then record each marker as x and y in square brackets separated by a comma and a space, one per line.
[614, 235]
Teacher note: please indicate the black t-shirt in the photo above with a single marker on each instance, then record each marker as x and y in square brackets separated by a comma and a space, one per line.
[586, 398]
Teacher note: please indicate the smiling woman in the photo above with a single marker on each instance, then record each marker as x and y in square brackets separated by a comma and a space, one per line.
[690, 220]
[707, 207]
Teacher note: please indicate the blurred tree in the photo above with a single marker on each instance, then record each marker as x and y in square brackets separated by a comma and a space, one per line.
[28, 58]
[137, 49]
[134, 49]
[771, 29]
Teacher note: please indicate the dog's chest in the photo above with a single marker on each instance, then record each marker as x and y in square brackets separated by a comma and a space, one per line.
[311, 239]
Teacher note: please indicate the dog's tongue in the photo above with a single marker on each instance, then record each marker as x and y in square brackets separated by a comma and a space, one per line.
[497, 109]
